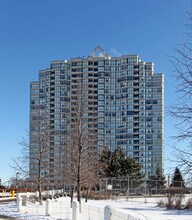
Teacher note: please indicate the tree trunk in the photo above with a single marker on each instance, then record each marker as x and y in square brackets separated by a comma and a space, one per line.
[87, 194]
[72, 191]
[40, 192]
[79, 194]
[78, 191]
[40, 184]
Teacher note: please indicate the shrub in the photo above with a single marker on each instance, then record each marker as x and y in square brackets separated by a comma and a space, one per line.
[175, 196]
[169, 204]
[175, 190]
[178, 201]
[161, 203]
[97, 195]
[188, 204]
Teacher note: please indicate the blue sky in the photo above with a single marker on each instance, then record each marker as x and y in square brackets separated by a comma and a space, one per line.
[35, 32]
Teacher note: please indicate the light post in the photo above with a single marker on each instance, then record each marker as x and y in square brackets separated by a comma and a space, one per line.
[127, 188]
[168, 181]
[8, 184]
[145, 189]
[17, 175]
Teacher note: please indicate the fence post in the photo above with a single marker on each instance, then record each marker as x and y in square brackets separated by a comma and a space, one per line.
[19, 202]
[37, 194]
[107, 213]
[47, 208]
[75, 210]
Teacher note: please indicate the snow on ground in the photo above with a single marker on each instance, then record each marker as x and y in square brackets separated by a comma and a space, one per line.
[136, 206]
[148, 209]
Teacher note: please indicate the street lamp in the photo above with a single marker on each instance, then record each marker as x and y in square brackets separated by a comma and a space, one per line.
[17, 175]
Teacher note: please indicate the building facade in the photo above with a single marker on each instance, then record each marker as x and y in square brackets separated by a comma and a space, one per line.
[124, 102]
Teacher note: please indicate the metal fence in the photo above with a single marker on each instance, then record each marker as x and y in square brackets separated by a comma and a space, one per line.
[132, 186]
[90, 212]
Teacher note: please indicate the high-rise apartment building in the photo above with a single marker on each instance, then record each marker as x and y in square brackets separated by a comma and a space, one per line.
[124, 107]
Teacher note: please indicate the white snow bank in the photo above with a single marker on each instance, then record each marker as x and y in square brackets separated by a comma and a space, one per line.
[134, 206]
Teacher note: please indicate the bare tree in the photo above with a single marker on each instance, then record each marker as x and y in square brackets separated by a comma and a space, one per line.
[82, 147]
[33, 163]
[181, 110]
[39, 153]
